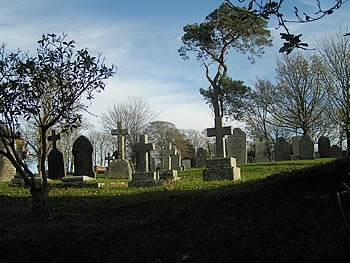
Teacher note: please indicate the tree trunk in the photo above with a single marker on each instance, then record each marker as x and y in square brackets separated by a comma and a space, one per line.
[40, 196]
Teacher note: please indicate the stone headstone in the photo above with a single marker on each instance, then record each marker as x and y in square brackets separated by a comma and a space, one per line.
[282, 150]
[109, 158]
[186, 163]
[7, 170]
[119, 169]
[166, 158]
[202, 155]
[221, 169]
[143, 177]
[237, 146]
[261, 150]
[82, 152]
[306, 148]
[175, 159]
[295, 146]
[21, 153]
[219, 132]
[55, 160]
[121, 131]
[324, 146]
[335, 152]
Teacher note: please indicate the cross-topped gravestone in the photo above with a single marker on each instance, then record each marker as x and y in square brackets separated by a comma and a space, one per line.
[121, 131]
[219, 132]
[167, 157]
[142, 149]
[53, 138]
[109, 158]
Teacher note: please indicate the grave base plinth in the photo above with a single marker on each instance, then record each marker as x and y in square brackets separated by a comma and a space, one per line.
[145, 179]
[221, 169]
[168, 175]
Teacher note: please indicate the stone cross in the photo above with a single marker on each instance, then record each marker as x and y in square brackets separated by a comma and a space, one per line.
[167, 157]
[54, 137]
[109, 158]
[142, 149]
[121, 132]
[219, 132]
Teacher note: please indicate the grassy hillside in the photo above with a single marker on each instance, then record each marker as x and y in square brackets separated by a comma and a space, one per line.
[279, 212]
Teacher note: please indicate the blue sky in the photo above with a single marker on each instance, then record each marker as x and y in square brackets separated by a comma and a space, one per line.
[142, 38]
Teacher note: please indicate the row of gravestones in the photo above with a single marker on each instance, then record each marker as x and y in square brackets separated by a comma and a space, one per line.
[301, 147]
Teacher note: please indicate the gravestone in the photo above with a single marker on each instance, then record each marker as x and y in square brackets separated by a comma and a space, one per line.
[261, 150]
[21, 153]
[120, 168]
[295, 147]
[219, 132]
[109, 158]
[82, 152]
[55, 160]
[175, 159]
[220, 168]
[324, 146]
[202, 155]
[237, 146]
[335, 152]
[186, 163]
[282, 150]
[7, 170]
[143, 177]
[121, 131]
[306, 148]
[166, 172]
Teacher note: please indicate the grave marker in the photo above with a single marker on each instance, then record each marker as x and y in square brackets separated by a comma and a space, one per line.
[121, 131]
[219, 132]
[306, 148]
[324, 146]
[82, 152]
[237, 146]
[55, 160]
[282, 150]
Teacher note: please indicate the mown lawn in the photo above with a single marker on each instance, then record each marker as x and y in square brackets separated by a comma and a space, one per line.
[279, 212]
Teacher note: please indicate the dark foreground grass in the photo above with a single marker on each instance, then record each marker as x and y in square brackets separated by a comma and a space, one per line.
[292, 216]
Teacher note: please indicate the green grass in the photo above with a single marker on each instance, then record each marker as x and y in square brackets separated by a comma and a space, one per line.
[278, 212]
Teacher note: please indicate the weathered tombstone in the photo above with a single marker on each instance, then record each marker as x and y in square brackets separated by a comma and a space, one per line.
[121, 131]
[306, 148]
[282, 150]
[143, 177]
[202, 155]
[261, 150]
[7, 170]
[166, 172]
[21, 153]
[324, 146]
[120, 168]
[109, 158]
[82, 152]
[237, 146]
[220, 168]
[335, 152]
[55, 160]
[175, 159]
[295, 146]
[219, 132]
[186, 163]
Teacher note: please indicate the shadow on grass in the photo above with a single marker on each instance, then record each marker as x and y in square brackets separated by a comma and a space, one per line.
[287, 217]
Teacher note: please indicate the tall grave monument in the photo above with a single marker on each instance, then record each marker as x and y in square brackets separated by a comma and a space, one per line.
[143, 177]
[237, 146]
[120, 168]
[220, 168]
[166, 173]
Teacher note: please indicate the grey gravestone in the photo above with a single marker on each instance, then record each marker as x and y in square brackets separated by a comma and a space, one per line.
[324, 146]
[237, 146]
[121, 131]
[55, 159]
[175, 159]
[109, 158]
[306, 148]
[295, 146]
[282, 150]
[82, 152]
[335, 152]
[166, 158]
[166, 173]
[221, 169]
[219, 132]
[7, 170]
[119, 169]
[21, 154]
[261, 150]
[186, 163]
[143, 177]
[202, 155]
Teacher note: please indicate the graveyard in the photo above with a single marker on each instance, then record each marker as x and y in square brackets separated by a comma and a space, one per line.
[286, 211]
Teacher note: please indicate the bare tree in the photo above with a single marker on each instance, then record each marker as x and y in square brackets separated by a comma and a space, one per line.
[103, 143]
[334, 51]
[136, 114]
